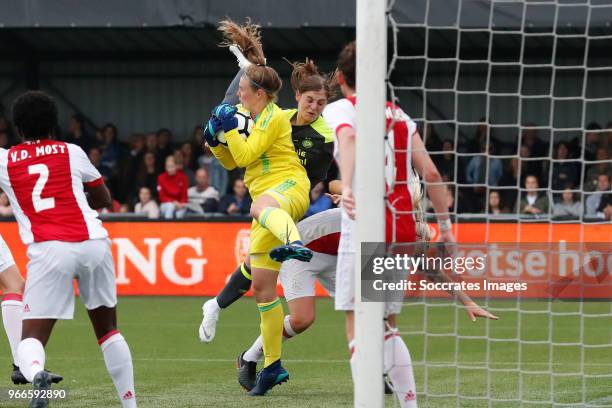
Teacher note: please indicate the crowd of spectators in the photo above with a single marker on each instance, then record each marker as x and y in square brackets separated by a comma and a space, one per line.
[156, 176]
[537, 175]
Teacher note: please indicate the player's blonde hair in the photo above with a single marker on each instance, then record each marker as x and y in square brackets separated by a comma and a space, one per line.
[246, 36]
[307, 77]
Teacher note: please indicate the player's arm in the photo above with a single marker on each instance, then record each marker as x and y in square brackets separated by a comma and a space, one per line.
[261, 138]
[346, 146]
[224, 156]
[435, 188]
[98, 195]
[471, 308]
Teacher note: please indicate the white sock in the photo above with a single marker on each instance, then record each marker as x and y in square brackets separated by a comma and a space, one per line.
[255, 352]
[215, 306]
[119, 365]
[351, 347]
[11, 317]
[398, 366]
[31, 357]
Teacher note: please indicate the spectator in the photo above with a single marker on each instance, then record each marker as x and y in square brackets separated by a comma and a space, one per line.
[77, 135]
[5, 206]
[172, 189]
[203, 197]
[189, 160]
[477, 168]
[95, 157]
[592, 140]
[564, 172]
[147, 173]
[530, 165]
[219, 177]
[446, 162]
[164, 142]
[569, 206]
[530, 138]
[511, 179]
[431, 138]
[318, 200]
[596, 202]
[146, 205]
[180, 165]
[533, 203]
[594, 170]
[110, 148]
[238, 203]
[134, 157]
[495, 206]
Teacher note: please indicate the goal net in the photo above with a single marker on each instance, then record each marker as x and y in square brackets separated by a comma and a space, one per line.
[513, 100]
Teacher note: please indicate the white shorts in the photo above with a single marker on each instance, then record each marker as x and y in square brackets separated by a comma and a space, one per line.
[49, 290]
[6, 258]
[298, 278]
[345, 271]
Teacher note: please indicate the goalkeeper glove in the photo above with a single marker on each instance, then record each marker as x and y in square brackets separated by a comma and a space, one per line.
[210, 129]
[225, 113]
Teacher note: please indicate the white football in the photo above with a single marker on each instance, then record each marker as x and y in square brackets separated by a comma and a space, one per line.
[245, 124]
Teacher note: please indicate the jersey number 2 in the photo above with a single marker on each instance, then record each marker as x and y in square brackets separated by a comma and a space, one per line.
[40, 204]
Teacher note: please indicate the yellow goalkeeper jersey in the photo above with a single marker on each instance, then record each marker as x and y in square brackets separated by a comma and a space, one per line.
[267, 154]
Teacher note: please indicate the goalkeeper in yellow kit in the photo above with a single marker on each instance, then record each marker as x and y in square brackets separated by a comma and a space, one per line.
[280, 190]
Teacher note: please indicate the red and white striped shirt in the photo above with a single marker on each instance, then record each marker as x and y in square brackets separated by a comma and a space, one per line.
[321, 232]
[44, 181]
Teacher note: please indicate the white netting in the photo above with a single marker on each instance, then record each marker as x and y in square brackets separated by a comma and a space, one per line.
[502, 90]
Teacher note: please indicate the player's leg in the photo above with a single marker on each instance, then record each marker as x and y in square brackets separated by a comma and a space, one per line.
[275, 211]
[11, 284]
[398, 362]
[298, 281]
[97, 289]
[265, 273]
[238, 284]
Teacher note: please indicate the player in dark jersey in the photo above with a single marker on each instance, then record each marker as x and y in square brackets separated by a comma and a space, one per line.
[312, 139]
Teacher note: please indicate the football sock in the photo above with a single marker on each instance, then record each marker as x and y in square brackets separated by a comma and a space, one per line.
[351, 347]
[11, 317]
[118, 360]
[280, 224]
[31, 357]
[398, 366]
[271, 330]
[238, 284]
[255, 352]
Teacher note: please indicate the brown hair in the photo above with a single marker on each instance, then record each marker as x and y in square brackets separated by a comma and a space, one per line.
[247, 37]
[346, 63]
[264, 78]
[306, 77]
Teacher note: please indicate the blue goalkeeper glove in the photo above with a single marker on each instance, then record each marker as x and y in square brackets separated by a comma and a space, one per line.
[226, 115]
[210, 129]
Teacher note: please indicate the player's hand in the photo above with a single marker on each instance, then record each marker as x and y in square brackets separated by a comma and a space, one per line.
[232, 209]
[336, 198]
[226, 115]
[209, 130]
[348, 202]
[474, 311]
[450, 243]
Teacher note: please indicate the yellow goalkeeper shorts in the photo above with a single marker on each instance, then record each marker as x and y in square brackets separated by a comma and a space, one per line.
[293, 196]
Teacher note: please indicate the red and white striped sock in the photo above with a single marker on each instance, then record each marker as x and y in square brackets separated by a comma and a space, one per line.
[118, 360]
[11, 317]
[31, 357]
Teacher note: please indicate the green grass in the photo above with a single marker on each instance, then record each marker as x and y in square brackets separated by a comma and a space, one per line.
[173, 369]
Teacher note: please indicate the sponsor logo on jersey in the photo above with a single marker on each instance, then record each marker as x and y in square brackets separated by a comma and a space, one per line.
[307, 144]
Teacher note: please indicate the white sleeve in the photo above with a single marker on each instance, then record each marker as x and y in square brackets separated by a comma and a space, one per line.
[340, 114]
[88, 173]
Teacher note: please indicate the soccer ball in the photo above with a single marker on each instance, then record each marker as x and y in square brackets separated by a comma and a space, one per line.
[245, 124]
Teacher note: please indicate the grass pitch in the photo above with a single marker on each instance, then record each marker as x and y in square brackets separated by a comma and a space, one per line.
[173, 369]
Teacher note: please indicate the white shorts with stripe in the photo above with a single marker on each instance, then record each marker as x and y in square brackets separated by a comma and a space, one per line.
[53, 266]
[298, 278]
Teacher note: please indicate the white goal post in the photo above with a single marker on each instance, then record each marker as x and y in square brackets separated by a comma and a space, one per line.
[369, 192]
